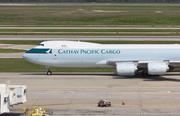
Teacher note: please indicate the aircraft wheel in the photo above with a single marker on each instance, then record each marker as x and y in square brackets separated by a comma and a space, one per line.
[49, 73]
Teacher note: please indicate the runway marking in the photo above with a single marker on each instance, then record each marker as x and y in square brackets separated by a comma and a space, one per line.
[107, 11]
[5, 46]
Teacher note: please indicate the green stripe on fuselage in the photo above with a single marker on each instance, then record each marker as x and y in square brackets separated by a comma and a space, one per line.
[38, 50]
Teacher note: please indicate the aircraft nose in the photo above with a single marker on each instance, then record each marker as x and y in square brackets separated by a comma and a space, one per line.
[30, 57]
[25, 56]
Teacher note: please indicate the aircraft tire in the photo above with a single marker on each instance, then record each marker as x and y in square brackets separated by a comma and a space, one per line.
[49, 73]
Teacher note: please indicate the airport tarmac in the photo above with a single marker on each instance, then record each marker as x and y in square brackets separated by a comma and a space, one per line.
[123, 38]
[14, 46]
[78, 93]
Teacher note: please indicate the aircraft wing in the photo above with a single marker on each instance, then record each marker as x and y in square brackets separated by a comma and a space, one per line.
[140, 63]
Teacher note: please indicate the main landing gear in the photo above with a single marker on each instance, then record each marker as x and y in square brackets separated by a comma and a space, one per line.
[145, 73]
[49, 71]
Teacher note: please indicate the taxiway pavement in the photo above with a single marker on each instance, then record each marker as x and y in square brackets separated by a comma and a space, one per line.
[11, 55]
[124, 38]
[14, 46]
[78, 93]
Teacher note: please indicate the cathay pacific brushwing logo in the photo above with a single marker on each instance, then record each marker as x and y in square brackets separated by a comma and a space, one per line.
[49, 51]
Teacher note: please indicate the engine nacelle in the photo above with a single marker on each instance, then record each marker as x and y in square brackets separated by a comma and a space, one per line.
[157, 68]
[127, 69]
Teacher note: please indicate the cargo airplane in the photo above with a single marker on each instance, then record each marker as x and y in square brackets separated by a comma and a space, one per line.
[151, 59]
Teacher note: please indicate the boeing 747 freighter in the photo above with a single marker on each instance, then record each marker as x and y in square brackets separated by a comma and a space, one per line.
[152, 59]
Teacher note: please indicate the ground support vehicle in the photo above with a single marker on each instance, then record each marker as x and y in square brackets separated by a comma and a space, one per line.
[38, 111]
[104, 103]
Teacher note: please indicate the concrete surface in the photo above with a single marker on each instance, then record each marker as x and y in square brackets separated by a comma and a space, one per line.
[78, 93]
[11, 55]
[102, 33]
[124, 38]
[16, 46]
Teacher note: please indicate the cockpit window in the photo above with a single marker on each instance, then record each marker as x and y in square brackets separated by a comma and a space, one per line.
[41, 45]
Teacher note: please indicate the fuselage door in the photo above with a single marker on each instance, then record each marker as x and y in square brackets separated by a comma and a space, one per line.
[54, 53]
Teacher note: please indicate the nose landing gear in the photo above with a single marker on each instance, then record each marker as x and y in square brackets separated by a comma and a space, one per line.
[49, 71]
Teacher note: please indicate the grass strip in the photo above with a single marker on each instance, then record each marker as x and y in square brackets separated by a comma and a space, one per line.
[88, 30]
[36, 42]
[107, 32]
[25, 42]
[22, 65]
[11, 50]
[134, 14]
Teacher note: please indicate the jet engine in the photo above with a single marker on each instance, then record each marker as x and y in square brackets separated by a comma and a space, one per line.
[127, 69]
[157, 68]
